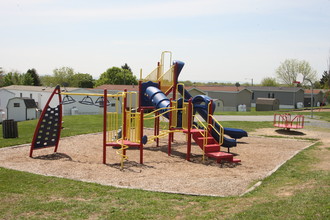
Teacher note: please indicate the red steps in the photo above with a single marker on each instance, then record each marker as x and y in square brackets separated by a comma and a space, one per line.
[223, 156]
[212, 147]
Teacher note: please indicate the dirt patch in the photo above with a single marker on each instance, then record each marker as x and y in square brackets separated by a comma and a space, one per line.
[80, 158]
[287, 191]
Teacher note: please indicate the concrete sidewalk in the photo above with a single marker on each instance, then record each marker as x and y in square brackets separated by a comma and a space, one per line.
[244, 117]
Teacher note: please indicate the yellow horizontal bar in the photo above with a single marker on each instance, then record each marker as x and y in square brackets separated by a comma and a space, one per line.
[91, 94]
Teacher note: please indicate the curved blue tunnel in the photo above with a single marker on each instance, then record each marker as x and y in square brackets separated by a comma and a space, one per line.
[158, 99]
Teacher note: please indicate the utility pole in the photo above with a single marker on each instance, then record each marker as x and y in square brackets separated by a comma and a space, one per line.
[251, 80]
[312, 104]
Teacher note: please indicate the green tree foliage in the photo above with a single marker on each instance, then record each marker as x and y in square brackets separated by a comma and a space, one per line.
[63, 76]
[35, 77]
[16, 78]
[66, 76]
[1, 77]
[269, 81]
[325, 80]
[82, 80]
[126, 67]
[117, 76]
[47, 80]
[187, 83]
[288, 71]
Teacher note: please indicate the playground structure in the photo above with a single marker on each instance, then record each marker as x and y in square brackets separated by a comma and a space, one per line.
[123, 129]
[288, 121]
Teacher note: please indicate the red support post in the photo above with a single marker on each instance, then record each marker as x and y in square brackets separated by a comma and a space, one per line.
[169, 146]
[189, 115]
[124, 128]
[105, 109]
[141, 135]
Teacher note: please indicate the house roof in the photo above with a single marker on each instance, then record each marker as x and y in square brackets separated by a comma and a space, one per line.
[267, 101]
[29, 103]
[119, 87]
[3, 89]
[275, 89]
[217, 88]
[36, 88]
[315, 91]
[196, 89]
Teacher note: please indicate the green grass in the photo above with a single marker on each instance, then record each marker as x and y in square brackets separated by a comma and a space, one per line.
[84, 124]
[295, 191]
[73, 125]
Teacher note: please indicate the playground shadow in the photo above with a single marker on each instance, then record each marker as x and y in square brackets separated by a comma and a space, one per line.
[194, 158]
[290, 132]
[130, 166]
[54, 156]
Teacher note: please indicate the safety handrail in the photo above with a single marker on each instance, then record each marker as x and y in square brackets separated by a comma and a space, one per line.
[221, 132]
[203, 132]
[288, 121]
[298, 120]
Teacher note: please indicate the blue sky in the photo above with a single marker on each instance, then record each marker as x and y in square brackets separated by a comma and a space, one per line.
[219, 40]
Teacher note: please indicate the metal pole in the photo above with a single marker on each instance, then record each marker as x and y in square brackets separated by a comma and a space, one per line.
[312, 101]
[312, 104]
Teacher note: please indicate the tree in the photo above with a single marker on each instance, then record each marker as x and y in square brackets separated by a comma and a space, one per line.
[26, 79]
[269, 81]
[186, 83]
[35, 77]
[126, 67]
[63, 76]
[82, 80]
[16, 78]
[288, 71]
[117, 76]
[325, 80]
[1, 77]
[47, 80]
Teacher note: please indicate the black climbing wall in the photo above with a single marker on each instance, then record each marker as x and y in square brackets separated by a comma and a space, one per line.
[48, 131]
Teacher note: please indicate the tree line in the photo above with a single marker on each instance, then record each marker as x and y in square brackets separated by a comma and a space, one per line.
[285, 75]
[67, 77]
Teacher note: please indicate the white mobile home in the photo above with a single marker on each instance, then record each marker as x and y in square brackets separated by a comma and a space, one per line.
[5, 95]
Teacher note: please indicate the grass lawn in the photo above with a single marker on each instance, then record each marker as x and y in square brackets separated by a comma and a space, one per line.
[296, 191]
[84, 124]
